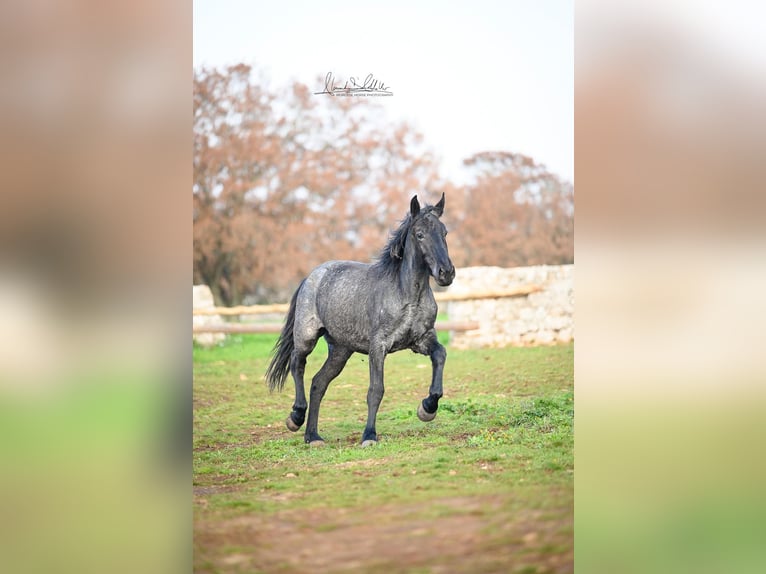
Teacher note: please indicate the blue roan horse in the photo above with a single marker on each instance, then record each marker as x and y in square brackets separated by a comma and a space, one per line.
[372, 309]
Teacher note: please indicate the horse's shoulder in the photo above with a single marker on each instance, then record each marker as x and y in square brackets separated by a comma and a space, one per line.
[428, 300]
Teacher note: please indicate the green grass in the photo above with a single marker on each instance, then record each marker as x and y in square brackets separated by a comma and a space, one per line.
[501, 444]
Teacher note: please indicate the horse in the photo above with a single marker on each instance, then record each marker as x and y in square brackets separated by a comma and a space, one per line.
[374, 309]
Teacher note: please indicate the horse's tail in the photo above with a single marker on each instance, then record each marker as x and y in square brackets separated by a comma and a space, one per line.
[276, 374]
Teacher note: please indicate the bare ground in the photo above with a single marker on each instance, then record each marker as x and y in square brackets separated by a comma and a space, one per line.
[451, 535]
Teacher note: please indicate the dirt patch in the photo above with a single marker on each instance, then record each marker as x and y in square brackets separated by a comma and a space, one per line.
[270, 432]
[467, 534]
[367, 463]
[215, 489]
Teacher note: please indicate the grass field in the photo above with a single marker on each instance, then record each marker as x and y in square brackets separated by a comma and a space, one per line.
[486, 487]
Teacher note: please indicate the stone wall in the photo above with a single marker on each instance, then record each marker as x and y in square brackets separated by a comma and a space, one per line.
[542, 318]
[202, 298]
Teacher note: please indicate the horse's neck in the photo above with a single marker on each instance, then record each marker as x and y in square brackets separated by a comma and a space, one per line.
[413, 275]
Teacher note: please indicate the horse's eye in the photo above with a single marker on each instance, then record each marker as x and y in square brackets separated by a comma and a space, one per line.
[419, 235]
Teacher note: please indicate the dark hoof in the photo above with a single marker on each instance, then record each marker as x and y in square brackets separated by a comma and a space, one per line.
[291, 424]
[319, 442]
[424, 416]
[369, 442]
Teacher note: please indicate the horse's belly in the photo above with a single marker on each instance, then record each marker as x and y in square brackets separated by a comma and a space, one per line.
[347, 325]
[357, 341]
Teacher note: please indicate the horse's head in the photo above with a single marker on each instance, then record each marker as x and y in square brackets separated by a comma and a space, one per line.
[429, 236]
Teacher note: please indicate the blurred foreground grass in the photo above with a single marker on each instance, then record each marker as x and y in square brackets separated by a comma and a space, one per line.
[676, 487]
[90, 472]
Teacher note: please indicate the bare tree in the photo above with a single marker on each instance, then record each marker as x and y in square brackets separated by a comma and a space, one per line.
[515, 213]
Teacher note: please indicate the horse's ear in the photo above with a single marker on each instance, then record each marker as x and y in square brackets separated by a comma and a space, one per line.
[439, 207]
[414, 206]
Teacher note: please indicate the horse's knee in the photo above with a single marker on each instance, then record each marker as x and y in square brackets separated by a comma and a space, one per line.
[375, 394]
[318, 388]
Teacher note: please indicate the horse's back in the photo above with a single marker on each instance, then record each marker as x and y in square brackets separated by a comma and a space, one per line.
[338, 282]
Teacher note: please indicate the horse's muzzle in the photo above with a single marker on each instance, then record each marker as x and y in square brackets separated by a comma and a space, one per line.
[445, 275]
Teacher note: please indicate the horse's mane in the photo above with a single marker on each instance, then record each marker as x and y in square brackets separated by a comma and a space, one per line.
[389, 261]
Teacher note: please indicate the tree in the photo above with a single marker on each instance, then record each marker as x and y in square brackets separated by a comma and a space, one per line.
[515, 213]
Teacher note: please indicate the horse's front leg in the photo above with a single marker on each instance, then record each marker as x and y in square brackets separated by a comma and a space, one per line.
[431, 346]
[374, 393]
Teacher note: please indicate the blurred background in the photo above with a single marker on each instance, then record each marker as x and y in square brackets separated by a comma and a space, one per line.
[671, 247]
[95, 393]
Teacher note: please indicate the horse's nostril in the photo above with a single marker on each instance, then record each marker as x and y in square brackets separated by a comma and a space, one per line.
[446, 275]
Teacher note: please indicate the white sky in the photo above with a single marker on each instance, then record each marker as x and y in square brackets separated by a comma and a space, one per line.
[472, 76]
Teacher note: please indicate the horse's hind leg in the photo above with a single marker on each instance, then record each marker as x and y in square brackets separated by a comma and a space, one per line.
[336, 360]
[297, 369]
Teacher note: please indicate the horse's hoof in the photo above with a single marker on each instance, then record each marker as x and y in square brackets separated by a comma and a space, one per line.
[424, 416]
[319, 442]
[369, 442]
[291, 425]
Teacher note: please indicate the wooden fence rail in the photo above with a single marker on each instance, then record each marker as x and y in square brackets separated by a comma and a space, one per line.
[440, 297]
[277, 327]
